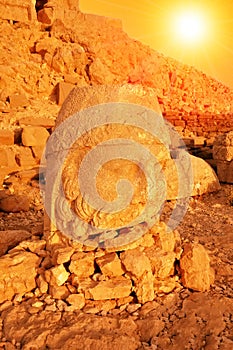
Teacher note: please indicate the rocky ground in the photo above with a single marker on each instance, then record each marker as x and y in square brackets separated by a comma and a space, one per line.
[183, 319]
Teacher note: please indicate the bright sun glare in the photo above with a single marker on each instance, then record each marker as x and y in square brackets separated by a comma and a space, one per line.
[190, 27]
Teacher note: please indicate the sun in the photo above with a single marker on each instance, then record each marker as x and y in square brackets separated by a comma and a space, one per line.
[190, 27]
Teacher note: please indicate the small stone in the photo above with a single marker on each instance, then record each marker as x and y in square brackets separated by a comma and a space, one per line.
[58, 292]
[76, 300]
[82, 264]
[117, 287]
[38, 304]
[135, 262]
[42, 284]
[19, 100]
[57, 275]
[195, 268]
[6, 137]
[63, 91]
[110, 265]
[149, 327]
[51, 307]
[34, 136]
[18, 274]
[14, 203]
[144, 288]
[62, 255]
[131, 308]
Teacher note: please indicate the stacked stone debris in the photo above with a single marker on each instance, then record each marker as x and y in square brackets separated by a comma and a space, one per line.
[223, 154]
[21, 149]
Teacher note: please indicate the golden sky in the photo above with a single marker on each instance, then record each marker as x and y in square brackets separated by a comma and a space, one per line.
[164, 25]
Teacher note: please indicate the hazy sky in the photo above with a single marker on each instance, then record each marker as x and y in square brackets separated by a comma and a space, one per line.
[164, 25]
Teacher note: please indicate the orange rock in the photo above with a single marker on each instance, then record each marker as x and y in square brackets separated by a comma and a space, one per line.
[34, 136]
[76, 300]
[82, 264]
[116, 287]
[195, 268]
[18, 274]
[63, 91]
[135, 262]
[14, 203]
[110, 265]
[10, 238]
[6, 137]
[19, 100]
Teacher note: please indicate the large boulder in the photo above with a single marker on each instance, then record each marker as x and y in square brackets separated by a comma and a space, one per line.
[18, 274]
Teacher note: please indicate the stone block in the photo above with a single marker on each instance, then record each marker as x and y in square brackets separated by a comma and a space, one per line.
[38, 152]
[135, 262]
[195, 268]
[14, 203]
[18, 100]
[24, 158]
[20, 10]
[76, 300]
[116, 287]
[6, 137]
[7, 158]
[34, 136]
[82, 264]
[110, 265]
[10, 238]
[39, 121]
[18, 274]
[225, 171]
[57, 275]
[223, 152]
[63, 91]
[46, 15]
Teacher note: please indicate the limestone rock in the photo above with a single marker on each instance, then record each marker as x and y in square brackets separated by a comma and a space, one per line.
[34, 136]
[57, 275]
[58, 292]
[135, 262]
[63, 91]
[6, 137]
[82, 264]
[162, 263]
[19, 100]
[116, 287]
[110, 265]
[225, 171]
[10, 238]
[14, 203]
[18, 274]
[22, 11]
[223, 152]
[38, 121]
[195, 268]
[204, 180]
[24, 158]
[62, 255]
[144, 288]
[76, 300]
